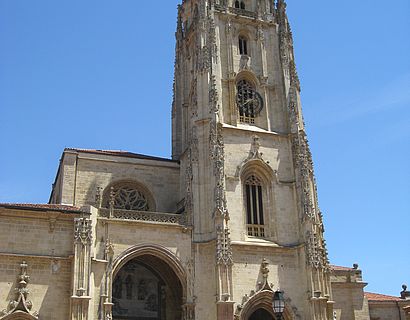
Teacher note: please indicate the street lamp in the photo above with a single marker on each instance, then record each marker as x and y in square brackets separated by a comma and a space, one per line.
[278, 304]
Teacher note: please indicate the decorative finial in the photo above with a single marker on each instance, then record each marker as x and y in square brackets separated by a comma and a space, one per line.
[405, 294]
[21, 304]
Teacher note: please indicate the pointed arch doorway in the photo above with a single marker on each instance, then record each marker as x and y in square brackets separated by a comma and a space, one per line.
[261, 314]
[146, 287]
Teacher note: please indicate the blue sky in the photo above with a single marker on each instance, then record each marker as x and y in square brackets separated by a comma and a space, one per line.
[98, 74]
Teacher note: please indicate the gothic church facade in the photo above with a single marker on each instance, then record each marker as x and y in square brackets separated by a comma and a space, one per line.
[213, 232]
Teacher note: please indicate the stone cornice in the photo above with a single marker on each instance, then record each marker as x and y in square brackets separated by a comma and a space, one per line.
[257, 130]
[34, 256]
[130, 161]
[265, 244]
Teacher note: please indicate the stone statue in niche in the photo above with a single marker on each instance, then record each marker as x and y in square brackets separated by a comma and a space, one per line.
[142, 290]
[117, 288]
[129, 286]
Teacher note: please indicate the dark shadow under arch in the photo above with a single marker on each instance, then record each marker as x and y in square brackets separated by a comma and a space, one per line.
[158, 283]
[261, 314]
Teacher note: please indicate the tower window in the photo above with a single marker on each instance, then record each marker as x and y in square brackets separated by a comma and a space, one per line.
[254, 207]
[243, 46]
[249, 102]
[240, 5]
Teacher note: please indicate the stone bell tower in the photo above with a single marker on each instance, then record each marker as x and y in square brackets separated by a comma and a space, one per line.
[246, 168]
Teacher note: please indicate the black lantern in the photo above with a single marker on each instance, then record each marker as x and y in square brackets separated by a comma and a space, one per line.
[278, 304]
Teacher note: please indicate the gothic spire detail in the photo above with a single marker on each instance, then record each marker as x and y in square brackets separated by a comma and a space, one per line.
[21, 304]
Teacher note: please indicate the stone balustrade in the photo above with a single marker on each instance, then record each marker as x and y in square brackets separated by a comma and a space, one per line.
[157, 217]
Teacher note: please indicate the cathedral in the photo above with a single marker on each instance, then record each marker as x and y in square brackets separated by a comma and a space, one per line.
[229, 228]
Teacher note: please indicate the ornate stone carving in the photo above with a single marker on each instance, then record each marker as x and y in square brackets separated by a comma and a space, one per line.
[254, 154]
[218, 156]
[260, 35]
[21, 303]
[303, 162]
[83, 231]
[188, 186]
[106, 294]
[294, 78]
[194, 145]
[194, 98]
[223, 247]
[213, 49]
[98, 197]
[190, 271]
[144, 216]
[229, 26]
[203, 59]
[213, 96]
[265, 274]
[188, 311]
[316, 251]
[127, 196]
[255, 146]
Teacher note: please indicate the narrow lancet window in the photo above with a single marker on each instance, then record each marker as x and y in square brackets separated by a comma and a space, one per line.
[254, 207]
[243, 46]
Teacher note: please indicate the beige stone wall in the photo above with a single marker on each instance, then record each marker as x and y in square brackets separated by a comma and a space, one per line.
[348, 293]
[350, 303]
[386, 311]
[45, 241]
[281, 218]
[286, 272]
[35, 234]
[83, 173]
[49, 291]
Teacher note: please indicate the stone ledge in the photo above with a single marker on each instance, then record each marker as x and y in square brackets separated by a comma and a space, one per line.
[22, 255]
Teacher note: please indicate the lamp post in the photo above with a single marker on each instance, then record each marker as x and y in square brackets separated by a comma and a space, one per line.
[278, 304]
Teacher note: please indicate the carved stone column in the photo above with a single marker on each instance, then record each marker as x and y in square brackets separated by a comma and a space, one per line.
[106, 296]
[188, 311]
[82, 268]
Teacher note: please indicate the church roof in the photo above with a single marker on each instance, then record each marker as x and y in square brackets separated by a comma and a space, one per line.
[41, 207]
[119, 153]
[376, 297]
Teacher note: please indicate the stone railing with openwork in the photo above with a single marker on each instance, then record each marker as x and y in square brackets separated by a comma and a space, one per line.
[243, 12]
[144, 216]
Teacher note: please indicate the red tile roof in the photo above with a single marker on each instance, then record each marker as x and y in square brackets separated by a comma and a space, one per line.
[119, 153]
[41, 207]
[381, 297]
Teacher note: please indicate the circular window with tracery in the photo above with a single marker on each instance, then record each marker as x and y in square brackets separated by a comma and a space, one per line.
[127, 196]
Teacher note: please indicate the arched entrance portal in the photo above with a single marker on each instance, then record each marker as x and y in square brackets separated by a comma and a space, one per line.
[261, 314]
[146, 288]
